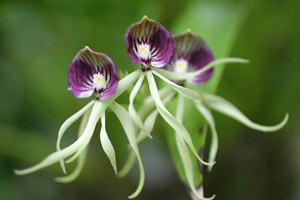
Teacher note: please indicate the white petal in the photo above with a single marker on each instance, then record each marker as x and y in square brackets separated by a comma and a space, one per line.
[223, 106]
[183, 76]
[170, 119]
[128, 126]
[191, 94]
[107, 145]
[214, 140]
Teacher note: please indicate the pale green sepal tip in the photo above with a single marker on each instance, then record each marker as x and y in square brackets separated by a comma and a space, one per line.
[145, 17]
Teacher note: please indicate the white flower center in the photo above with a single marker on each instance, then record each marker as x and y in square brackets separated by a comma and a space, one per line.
[143, 51]
[181, 66]
[99, 82]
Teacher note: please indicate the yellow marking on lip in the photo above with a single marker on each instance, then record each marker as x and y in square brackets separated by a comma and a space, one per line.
[143, 49]
[98, 79]
[180, 65]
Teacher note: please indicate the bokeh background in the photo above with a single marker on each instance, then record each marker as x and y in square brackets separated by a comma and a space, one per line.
[38, 39]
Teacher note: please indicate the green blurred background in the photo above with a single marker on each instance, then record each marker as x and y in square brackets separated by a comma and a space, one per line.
[38, 39]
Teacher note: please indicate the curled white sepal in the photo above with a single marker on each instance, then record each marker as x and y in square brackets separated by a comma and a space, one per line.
[223, 106]
[214, 139]
[170, 119]
[66, 125]
[129, 129]
[107, 145]
[81, 160]
[97, 111]
[132, 112]
[183, 76]
[188, 93]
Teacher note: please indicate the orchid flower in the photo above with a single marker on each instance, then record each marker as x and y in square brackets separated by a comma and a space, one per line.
[191, 54]
[92, 72]
[150, 44]
[192, 61]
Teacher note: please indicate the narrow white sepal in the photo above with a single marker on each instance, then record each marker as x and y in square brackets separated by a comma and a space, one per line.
[223, 106]
[214, 139]
[129, 129]
[81, 160]
[170, 119]
[188, 93]
[183, 76]
[65, 126]
[107, 145]
[132, 112]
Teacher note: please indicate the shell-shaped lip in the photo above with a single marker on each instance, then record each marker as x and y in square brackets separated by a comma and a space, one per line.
[81, 73]
[194, 50]
[155, 36]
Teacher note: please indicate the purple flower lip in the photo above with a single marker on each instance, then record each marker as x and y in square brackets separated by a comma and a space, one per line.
[149, 43]
[92, 72]
[190, 53]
